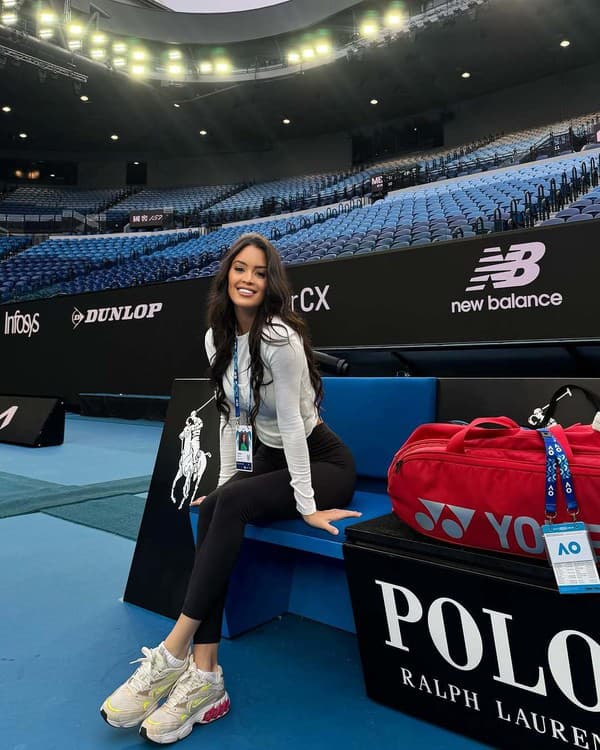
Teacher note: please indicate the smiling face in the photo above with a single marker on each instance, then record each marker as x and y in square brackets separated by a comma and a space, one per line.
[247, 280]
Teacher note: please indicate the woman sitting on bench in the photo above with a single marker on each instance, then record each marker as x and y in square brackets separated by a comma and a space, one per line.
[266, 380]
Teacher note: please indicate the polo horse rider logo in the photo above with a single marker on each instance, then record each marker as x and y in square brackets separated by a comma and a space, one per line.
[192, 459]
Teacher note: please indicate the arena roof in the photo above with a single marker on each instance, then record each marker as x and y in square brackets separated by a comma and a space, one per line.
[507, 42]
[216, 6]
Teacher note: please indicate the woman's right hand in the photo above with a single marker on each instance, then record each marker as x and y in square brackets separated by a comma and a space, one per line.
[321, 519]
[198, 500]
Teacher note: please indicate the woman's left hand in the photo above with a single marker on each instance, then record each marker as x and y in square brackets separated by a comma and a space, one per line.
[321, 519]
[198, 500]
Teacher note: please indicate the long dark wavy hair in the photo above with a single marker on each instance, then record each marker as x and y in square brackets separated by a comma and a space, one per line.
[277, 303]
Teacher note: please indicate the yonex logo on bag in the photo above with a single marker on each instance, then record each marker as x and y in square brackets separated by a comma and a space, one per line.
[518, 268]
[523, 532]
[451, 527]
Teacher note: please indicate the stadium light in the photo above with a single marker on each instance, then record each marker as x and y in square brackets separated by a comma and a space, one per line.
[114, 137]
[203, 132]
[222, 66]
[393, 19]
[46, 33]
[174, 54]
[99, 39]
[293, 57]
[119, 62]
[466, 74]
[176, 105]
[374, 101]
[206, 67]
[308, 53]
[120, 48]
[9, 19]
[98, 54]
[6, 108]
[47, 18]
[75, 30]
[138, 70]
[9, 4]
[84, 98]
[395, 16]
[175, 69]
[323, 48]
[23, 135]
[565, 43]
[369, 29]
[138, 55]
[75, 44]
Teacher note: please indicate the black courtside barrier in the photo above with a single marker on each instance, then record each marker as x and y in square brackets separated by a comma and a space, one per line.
[32, 421]
[525, 287]
[477, 642]
[521, 399]
[187, 466]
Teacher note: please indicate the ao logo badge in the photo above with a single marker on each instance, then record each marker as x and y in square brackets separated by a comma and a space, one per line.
[520, 267]
[571, 548]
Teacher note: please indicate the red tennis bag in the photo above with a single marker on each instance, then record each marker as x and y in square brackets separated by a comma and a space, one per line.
[485, 488]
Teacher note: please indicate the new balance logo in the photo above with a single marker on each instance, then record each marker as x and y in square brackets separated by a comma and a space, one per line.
[7, 416]
[453, 527]
[519, 267]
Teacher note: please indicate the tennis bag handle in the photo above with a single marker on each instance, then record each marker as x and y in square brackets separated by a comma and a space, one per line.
[456, 444]
[558, 394]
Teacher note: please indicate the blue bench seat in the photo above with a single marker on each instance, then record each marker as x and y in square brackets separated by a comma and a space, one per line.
[288, 566]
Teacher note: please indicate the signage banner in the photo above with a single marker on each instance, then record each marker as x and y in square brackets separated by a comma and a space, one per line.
[510, 663]
[156, 218]
[32, 421]
[187, 466]
[517, 287]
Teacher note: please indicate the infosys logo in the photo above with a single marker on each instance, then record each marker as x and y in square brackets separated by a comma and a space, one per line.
[115, 314]
[519, 267]
[21, 324]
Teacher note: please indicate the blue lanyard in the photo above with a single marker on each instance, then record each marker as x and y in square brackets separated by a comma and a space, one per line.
[555, 455]
[236, 385]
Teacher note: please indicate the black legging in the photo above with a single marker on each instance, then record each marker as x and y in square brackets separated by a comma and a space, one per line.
[264, 494]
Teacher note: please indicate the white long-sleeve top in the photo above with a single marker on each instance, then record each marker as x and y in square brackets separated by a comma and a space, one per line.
[287, 413]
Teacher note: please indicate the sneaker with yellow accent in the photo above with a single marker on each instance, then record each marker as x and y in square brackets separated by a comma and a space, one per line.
[140, 695]
[195, 699]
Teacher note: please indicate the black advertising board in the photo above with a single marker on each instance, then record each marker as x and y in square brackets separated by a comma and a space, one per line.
[537, 286]
[501, 659]
[187, 466]
[32, 421]
[134, 340]
[520, 399]
[149, 218]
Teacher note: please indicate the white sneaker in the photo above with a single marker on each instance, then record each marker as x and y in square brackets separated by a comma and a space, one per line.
[194, 700]
[140, 695]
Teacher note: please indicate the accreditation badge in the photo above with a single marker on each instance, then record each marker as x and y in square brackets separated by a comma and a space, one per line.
[243, 447]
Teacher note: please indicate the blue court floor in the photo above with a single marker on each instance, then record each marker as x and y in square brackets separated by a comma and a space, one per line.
[66, 638]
